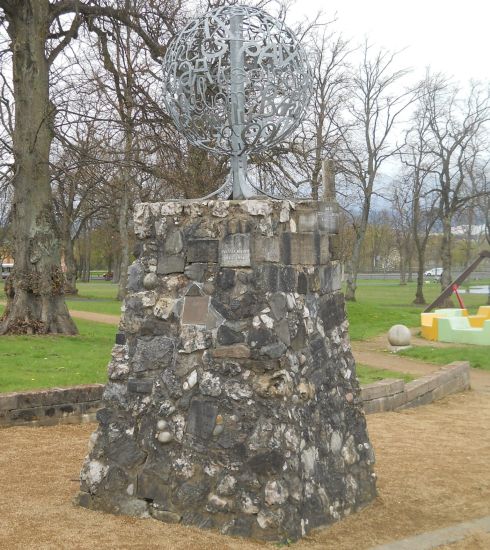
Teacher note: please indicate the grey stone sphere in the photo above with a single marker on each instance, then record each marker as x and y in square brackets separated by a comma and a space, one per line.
[399, 335]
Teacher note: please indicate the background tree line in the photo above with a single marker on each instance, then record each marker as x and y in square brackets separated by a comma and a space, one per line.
[84, 136]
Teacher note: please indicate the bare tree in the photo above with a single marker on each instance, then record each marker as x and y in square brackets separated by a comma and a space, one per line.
[320, 137]
[455, 120]
[373, 110]
[419, 173]
[402, 220]
[39, 30]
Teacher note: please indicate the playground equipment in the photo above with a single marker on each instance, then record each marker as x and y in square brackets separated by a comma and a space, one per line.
[455, 325]
[457, 282]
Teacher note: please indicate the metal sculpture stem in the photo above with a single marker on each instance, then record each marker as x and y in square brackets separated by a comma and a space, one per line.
[236, 82]
[237, 108]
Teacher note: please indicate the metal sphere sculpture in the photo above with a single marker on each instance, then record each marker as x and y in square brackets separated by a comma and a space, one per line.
[236, 81]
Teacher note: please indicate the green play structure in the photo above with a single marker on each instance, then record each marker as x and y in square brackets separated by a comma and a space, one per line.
[454, 324]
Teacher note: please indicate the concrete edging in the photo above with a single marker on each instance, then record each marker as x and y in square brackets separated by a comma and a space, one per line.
[73, 405]
[79, 404]
[391, 395]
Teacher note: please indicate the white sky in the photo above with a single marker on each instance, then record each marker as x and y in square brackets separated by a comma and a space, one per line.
[451, 36]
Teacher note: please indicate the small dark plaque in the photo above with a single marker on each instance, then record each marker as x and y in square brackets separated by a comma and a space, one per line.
[140, 385]
[202, 418]
[196, 310]
[120, 338]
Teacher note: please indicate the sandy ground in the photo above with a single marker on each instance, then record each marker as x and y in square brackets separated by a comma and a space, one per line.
[97, 317]
[432, 465]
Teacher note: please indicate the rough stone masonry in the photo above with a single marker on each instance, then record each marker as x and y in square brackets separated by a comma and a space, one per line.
[232, 401]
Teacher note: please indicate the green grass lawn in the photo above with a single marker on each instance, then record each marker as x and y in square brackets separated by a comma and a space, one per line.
[41, 362]
[97, 297]
[28, 362]
[368, 375]
[383, 303]
[478, 356]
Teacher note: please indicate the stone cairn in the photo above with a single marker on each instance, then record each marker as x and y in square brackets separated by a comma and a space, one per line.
[232, 401]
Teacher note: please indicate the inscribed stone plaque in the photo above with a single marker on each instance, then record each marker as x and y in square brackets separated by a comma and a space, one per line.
[328, 220]
[195, 310]
[235, 250]
[308, 221]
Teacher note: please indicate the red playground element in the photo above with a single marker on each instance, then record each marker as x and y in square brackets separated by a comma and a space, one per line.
[455, 290]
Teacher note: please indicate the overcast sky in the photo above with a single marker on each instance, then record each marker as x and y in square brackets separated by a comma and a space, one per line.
[451, 36]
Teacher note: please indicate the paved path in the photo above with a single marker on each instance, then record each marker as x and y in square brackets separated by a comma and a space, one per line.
[97, 317]
[440, 537]
[374, 353]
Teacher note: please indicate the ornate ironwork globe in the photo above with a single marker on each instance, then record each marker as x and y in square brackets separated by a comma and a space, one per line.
[236, 81]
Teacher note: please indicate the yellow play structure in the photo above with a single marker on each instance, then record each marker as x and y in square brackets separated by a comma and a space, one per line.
[455, 325]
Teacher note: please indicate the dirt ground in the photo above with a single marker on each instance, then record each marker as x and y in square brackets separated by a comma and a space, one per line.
[432, 466]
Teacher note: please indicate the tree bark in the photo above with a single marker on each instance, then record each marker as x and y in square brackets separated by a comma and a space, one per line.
[353, 264]
[403, 272]
[124, 239]
[71, 265]
[353, 268]
[446, 257]
[419, 293]
[35, 303]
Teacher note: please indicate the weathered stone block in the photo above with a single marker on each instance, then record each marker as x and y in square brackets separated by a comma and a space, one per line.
[136, 272]
[304, 248]
[195, 271]
[265, 249]
[170, 264]
[202, 250]
[120, 338]
[202, 418]
[174, 243]
[153, 353]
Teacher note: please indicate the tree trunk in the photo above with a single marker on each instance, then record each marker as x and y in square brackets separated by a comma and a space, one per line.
[446, 257]
[419, 293]
[403, 270]
[84, 247]
[353, 270]
[353, 264]
[35, 303]
[124, 238]
[409, 266]
[71, 265]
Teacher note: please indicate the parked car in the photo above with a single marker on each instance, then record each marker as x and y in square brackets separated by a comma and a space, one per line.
[434, 272]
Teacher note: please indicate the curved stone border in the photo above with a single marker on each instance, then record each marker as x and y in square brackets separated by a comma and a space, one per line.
[79, 404]
[394, 394]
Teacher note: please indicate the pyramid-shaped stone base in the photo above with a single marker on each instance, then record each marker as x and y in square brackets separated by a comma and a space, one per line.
[232, 400]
